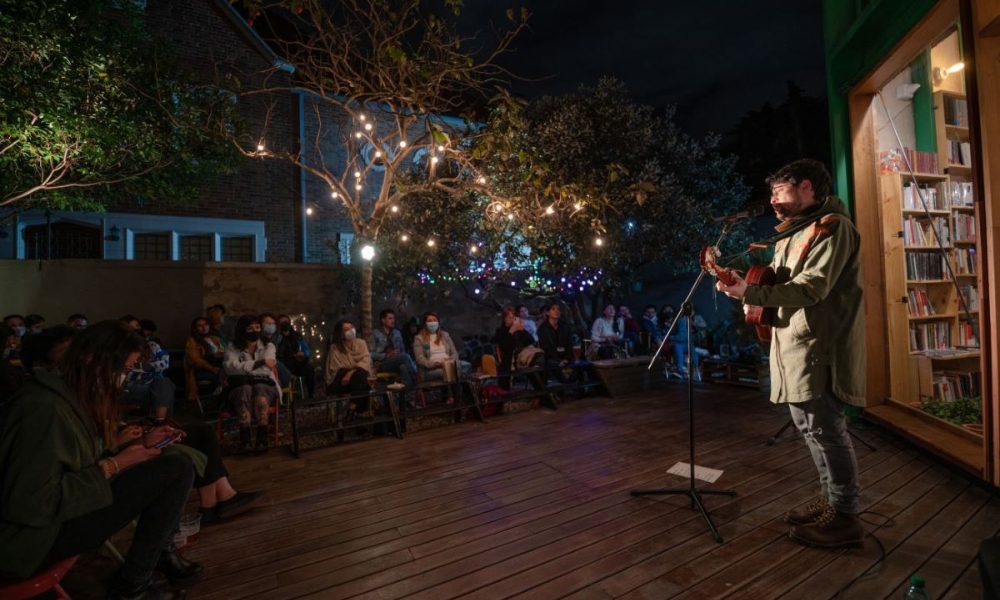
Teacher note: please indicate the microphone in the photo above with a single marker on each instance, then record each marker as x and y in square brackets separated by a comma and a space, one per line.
[753, 211]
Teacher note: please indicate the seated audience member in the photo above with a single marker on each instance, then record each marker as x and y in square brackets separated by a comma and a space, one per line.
[269, 334]
[432, 347]
[216, 316]
[34, 323]
[203, 354]
[606, 334]
[650, 325]
[77, 321]
[512, 339]
[556, 339]
[253, 385]
[630, 327]
[410, 332]
[348, 364]
[526, 321]
[145, 385]
[388, 350]
[680, 339]
[69, 480]
[11, 375]
[666, 317]
[12, 349]
[147, 327]
[293, 352]
[218, 500]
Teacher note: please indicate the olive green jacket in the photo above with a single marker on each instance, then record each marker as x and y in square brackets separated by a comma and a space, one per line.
[48, 471]
[818, 335]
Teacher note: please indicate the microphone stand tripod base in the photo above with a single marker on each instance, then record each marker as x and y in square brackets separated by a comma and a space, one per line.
[695, 496]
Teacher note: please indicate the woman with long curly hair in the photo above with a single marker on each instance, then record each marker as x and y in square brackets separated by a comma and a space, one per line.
[70, 478]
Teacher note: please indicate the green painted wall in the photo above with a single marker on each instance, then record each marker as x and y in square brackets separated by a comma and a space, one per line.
[856, 42]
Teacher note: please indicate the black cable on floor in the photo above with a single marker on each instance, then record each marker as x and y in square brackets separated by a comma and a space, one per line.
[887, 521]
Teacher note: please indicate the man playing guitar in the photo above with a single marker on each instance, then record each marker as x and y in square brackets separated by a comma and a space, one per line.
[818, 347]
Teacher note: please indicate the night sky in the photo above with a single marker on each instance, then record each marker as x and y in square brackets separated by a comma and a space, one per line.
[714, 59]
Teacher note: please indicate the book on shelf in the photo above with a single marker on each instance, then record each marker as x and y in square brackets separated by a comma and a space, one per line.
[965, 228]
[929, 197]
[961, 194]
[926, 265]
[935, 335]
[922, 232]
[956, 111]
[956, 385]
[965, 261]
[894, 160]
[918, 304]
[971, 295]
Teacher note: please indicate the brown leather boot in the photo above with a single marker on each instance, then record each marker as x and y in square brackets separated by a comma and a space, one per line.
[831, 530]
[810, 513]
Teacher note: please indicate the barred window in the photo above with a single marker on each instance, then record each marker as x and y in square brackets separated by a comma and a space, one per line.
[152, 246]
[196, 247]
[237, 249]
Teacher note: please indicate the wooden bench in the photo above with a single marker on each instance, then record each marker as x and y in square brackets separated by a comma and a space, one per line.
[582, 377]
[383, 408]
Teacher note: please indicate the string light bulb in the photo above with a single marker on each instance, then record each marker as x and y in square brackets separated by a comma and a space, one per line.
[368, 126]
[402, 143]
[362, 116]
[473, 249]
[431, 242]
[441, 148]
[358, 135]
[404, 237]
[368, 252]
[260, 147]
[598, 242]
[358, 187]
[394, 208]
[549, 210]
[378, 154]
[309, 211]
[334, 194]
[434, 160]
[482, 180]
[357, 174]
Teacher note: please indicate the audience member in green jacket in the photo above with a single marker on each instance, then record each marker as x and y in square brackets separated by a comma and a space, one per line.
[68, 479]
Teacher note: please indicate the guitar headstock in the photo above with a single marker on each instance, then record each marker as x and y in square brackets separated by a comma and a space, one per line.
[707, 261]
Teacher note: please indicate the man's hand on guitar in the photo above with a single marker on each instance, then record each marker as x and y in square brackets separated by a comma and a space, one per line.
[736, 290]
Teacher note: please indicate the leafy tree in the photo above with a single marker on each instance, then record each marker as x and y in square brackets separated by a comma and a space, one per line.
[94, 109]
[594, 188]
[388, 87]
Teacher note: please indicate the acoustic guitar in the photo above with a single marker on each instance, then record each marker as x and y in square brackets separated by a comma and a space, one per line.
[758, 316]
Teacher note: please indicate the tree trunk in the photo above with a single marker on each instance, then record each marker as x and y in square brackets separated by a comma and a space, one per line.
[366, 300]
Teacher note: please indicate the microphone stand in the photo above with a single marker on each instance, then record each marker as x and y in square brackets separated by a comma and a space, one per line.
[687, 309]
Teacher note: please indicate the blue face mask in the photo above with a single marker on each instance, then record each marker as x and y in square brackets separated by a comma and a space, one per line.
[433, 327]
[269, 329]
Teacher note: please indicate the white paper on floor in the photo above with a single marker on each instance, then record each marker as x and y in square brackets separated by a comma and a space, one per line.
[703, 473]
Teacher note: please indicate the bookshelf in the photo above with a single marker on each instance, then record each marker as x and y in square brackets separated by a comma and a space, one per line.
[931, 233]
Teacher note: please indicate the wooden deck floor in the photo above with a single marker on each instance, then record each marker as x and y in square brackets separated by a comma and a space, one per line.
[536, 505]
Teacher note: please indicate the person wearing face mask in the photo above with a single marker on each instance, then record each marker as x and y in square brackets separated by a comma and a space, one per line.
[77, 321]
[269, 334]
[249, 365]
[348, 364]
[12, 349]
[34, 323]
[293, 352]
[146, 386]
[432, 346]
[203, 354]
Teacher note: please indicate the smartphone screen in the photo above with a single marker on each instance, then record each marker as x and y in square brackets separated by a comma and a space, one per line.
[167, 441]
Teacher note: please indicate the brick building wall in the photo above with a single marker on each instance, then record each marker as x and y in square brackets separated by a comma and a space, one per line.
[210, 44]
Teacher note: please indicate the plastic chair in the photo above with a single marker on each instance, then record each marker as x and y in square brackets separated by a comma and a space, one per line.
[47, 579]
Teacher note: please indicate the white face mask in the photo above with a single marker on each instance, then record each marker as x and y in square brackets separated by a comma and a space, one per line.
[350, 334]
[433, 326]
[21, 330]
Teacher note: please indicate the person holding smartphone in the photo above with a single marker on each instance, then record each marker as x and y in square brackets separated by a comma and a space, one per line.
[69, 479]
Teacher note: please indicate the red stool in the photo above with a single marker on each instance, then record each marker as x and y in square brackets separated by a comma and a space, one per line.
[46, 580]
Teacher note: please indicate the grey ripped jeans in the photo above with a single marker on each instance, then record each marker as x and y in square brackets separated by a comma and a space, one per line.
[824, 427]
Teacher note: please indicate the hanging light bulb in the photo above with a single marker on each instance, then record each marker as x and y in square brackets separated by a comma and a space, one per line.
[362, 116]
[357, 174]
[404, 237]
[309, 211]
[368, 252]
[473, 249]
[549, 210]
[402, 143]
[358, 187]
[378, 154]
[441, 148]
[482, 180]
[394, 208]
[260, 147]
[431, 242]
[598, 242]
[333, 194]
[358, 135]
[368, 126]
[434, 160]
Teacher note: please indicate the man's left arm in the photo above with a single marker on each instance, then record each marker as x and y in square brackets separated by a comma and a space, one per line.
[823, 266]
